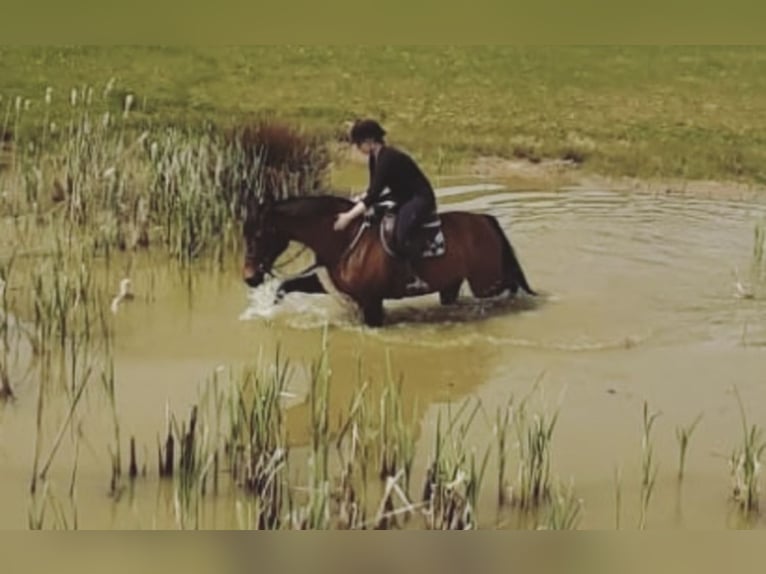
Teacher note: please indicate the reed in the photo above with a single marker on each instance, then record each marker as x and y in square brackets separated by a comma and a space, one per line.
[355, 450]
[256, 440]
[397, 442]
[683, 436]
[184, 190]
[745, 463]
[564, 509]
[504, 420]
[649, 466]
[6, 323]
[535, 438]
[455, 476]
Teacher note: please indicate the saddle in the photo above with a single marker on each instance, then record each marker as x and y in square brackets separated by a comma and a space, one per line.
[426, 242]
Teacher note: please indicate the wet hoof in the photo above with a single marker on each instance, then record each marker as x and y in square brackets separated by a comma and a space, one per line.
[373, 314]
[450, 296]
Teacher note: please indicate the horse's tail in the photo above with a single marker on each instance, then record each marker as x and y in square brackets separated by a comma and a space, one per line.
[511, 266]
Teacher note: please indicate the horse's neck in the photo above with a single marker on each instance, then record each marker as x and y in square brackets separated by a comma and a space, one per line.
[319, 236]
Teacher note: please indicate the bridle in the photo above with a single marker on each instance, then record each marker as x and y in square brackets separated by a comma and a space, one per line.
[273, 270]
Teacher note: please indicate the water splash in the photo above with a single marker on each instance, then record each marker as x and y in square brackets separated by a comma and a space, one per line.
[296, 310]
[260, 302]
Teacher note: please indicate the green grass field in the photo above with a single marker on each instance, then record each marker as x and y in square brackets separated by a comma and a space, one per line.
[697, 113]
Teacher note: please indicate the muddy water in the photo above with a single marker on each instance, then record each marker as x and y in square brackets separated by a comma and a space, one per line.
[639, 301]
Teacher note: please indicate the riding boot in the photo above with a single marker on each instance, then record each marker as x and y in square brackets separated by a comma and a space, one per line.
[414, 282]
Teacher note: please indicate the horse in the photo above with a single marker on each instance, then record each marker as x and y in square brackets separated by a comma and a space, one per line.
[363, 268]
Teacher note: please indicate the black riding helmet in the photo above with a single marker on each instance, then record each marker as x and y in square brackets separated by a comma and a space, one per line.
[367, 130]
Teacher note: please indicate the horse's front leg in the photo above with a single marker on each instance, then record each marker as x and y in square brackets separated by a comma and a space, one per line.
[303, 283]
[449, 295]
[373, 313]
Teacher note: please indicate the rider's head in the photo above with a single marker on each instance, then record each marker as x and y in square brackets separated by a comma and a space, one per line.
[365, 134]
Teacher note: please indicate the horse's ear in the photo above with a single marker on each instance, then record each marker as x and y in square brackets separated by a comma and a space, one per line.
[267, 201]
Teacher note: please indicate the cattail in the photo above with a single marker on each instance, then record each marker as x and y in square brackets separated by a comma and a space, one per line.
[109, 87]
[128, 104]
[48, 94]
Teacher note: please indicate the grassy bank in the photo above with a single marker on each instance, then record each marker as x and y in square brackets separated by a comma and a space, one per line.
[686, 112]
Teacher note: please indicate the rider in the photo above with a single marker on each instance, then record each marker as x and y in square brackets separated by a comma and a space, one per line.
[409, 188]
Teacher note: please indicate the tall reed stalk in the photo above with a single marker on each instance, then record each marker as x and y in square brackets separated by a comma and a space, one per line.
[745, 462]
[683, 436]
[649, 467]
[534, 476]
[454, 477]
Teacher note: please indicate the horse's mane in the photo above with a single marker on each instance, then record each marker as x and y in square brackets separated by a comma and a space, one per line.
[312, 206]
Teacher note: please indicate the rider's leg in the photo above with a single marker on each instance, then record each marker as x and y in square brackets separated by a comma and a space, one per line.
[411, 214]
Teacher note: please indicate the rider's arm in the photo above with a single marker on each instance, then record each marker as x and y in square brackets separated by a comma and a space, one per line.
[378, 179]
[343, 219]
[358, 209]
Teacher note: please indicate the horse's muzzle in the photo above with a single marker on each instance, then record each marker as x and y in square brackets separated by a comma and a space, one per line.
[253, 277]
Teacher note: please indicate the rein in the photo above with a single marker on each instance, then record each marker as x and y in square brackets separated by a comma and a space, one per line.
[301, 251]
[273, 271]
[362, 228]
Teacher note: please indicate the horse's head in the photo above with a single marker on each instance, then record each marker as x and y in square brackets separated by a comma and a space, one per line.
[263, 243]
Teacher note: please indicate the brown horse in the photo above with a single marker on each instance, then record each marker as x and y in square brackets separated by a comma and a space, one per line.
[477, 251]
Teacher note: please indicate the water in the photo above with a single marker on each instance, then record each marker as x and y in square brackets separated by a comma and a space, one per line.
[639, 301]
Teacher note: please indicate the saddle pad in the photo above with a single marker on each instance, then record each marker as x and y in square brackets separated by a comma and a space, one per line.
[430, 237]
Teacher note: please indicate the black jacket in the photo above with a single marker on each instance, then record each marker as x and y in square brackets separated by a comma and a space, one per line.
[397, 171]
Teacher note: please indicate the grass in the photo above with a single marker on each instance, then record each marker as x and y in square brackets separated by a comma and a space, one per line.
[745, 463]
[6, 324]
[687, 112]
[102, 187]
[455, 475]
[314, 486]
[502, 429]
[683, 436]
[534, 439]
[564, 511]
[649, 466]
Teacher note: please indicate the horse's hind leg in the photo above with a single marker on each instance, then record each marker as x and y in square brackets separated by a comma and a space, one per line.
[449, 295]
[487, 286]
[373, 313]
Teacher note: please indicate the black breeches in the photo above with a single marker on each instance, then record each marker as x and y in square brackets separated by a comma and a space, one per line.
[410, 216]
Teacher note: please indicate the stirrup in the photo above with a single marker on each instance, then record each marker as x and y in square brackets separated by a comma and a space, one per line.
[416, 284]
